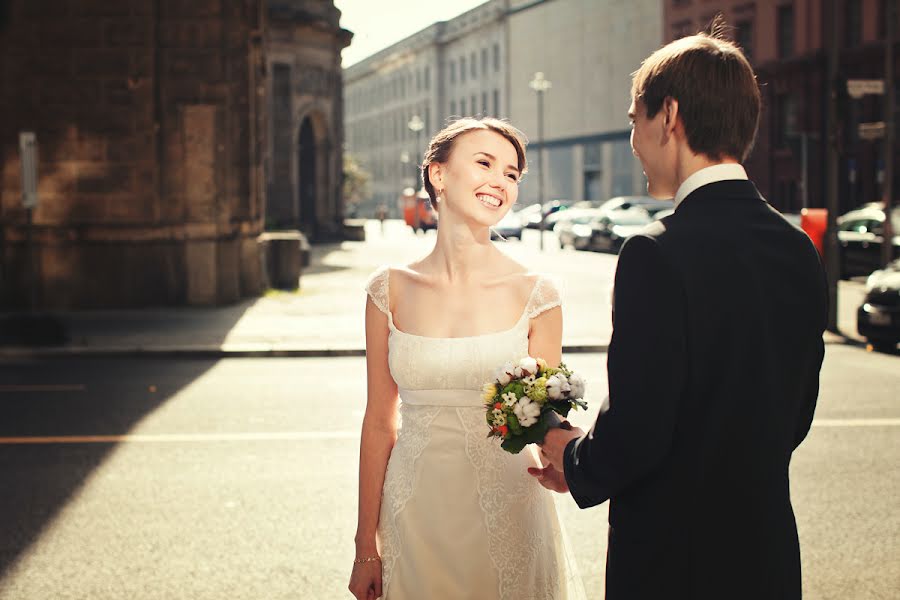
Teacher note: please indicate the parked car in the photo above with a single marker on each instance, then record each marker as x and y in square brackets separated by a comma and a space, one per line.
[573, 227]
[860, 238]
[509, 227]
[534, 216]
[611, 230]
[651, 205]
[878, 318]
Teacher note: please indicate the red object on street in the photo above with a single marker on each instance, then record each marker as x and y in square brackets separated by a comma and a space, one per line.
[814, 221]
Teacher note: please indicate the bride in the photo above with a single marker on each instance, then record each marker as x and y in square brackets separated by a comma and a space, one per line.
[444, 513]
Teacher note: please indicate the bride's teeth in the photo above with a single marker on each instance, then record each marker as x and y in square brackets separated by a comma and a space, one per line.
[489, 200]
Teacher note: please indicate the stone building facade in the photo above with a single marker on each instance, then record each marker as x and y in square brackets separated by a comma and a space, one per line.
[152, 129]
[449, 69]
[785, 41]
[587, 49]
[481, 62]
[305, 91]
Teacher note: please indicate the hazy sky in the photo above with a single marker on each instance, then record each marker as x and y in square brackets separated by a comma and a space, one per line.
[377, 24]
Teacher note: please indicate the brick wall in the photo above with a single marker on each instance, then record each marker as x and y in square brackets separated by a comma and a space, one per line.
[148, 132]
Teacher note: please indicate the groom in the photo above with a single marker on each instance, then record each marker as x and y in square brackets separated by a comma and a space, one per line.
[714, 361]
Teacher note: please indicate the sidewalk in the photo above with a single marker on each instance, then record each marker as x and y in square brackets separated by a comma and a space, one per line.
[325, 316]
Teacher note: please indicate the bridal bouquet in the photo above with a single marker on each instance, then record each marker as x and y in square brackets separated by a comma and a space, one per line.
[524, 399]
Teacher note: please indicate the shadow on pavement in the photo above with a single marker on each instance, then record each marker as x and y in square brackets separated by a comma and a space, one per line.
[52, 402]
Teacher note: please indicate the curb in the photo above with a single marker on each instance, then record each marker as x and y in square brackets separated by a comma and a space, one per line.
[263, 351]
[215, 352]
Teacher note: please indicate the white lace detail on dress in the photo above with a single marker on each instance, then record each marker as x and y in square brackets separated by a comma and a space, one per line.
[544, 297]
[401, 474]
[377, 289]
[515, 546]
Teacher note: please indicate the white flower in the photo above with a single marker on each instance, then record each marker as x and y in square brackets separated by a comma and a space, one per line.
[509, 398]
[557, 386]
[527, 411]
[528, 365]
[577, 385]
[505, 373]
[529, 381]
[517, 372]
[500, 420]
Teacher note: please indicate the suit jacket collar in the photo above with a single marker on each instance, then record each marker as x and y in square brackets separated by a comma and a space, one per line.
[734, 189]
[711, 174]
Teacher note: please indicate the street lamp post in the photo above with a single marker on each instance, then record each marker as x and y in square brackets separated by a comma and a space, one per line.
[540, 85]
[416, 125]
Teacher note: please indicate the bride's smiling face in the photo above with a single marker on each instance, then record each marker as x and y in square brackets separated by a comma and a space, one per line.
[480, 180]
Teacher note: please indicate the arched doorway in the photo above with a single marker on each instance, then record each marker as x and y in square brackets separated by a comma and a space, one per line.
[306, 183]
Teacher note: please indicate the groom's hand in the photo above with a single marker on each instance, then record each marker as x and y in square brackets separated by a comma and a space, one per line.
[550, 478]
[555, 442]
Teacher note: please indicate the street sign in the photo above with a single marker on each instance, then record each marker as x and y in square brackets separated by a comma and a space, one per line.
[857, 88]
[28, 157]
[871, 131]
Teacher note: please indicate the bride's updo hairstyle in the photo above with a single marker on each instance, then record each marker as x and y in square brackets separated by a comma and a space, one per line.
[442, 144]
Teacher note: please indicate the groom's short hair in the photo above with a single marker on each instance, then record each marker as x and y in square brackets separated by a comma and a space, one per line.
[716, 89]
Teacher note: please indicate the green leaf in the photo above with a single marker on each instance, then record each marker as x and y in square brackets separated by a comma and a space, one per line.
[513, 423]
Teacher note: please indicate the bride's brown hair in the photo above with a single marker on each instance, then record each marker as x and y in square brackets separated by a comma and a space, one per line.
[442, 143]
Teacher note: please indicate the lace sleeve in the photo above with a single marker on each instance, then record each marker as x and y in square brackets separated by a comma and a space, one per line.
[544, 297]
[377, 289]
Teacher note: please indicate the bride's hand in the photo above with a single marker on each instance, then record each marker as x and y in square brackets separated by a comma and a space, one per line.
[550, 478]
[365, 580]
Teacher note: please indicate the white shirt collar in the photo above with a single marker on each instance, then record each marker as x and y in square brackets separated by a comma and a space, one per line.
[721, 172]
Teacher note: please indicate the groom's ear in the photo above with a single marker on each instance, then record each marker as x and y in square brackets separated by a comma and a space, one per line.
[670, 117]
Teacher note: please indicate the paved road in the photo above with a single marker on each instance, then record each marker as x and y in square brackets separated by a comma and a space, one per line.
[238, 479]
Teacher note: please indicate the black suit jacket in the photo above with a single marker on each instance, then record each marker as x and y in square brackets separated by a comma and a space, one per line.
[714, 361]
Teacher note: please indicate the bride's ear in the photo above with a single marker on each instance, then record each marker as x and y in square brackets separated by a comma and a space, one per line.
[436, 175]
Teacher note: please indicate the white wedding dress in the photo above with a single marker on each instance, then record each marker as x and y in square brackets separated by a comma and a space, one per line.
[460, 517]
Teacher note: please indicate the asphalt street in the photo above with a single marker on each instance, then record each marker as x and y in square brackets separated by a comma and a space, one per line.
[186, 479]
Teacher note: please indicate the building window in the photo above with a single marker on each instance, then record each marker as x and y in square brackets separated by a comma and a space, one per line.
[496, 57]
[418, 80]
[853, 23]
[462, 108]
[785, 26]
[786, 119]
[474, 104]
[453, 108]
[427, 77]
[496, 103]
[427, 120]
[462, 69]
[472, 65]
[744, 37]
[484, 104]
[484, 62]
[452, 72]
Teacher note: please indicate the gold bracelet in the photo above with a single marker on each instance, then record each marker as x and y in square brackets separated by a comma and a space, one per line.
[359, 561]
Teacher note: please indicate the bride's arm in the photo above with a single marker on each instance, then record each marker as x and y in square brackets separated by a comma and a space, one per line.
[379, 430]
[545, 336]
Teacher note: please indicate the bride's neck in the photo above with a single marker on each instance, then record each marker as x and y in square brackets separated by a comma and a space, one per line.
[461, 252]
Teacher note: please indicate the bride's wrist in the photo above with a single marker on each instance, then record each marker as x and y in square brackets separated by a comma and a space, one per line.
[366, 546]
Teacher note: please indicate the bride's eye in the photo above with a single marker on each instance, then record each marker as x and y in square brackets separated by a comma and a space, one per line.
[484, 162]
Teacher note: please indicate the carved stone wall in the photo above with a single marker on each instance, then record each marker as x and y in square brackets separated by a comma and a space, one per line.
[150, 125]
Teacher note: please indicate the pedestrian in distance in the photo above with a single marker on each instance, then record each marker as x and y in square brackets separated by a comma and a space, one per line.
[713, 365]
